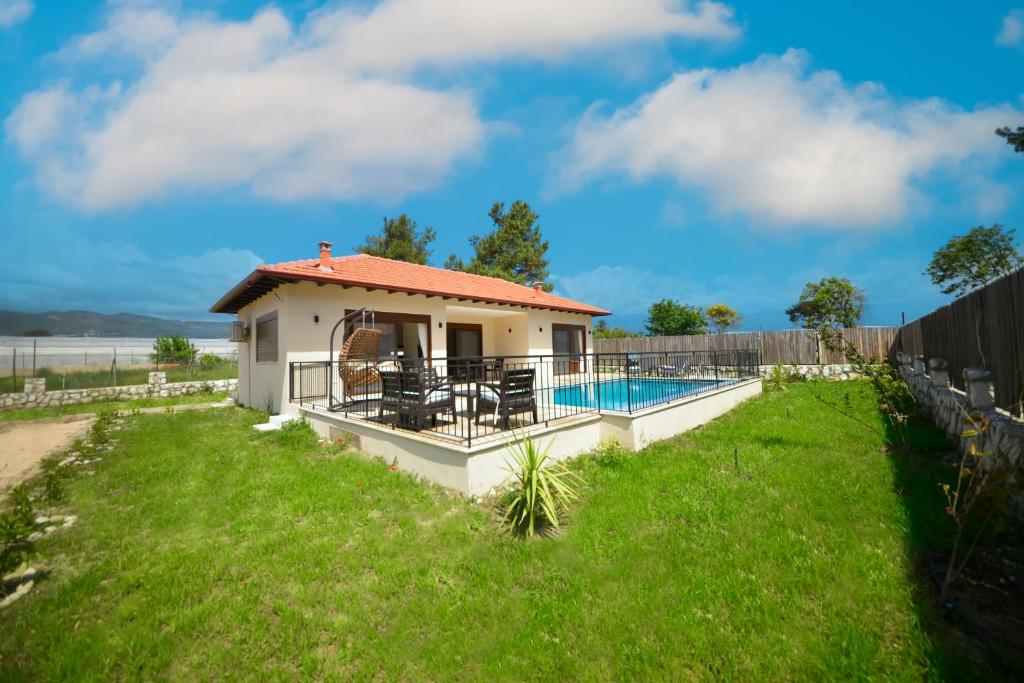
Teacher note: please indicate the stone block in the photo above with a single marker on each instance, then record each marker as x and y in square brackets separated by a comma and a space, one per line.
[981, 392]
[938, 370]
[35, 385]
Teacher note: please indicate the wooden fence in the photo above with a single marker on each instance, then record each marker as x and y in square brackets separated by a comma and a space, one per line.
[789, 347]
[983, 328]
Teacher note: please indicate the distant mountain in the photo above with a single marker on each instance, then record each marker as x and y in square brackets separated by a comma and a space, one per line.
[89, 324]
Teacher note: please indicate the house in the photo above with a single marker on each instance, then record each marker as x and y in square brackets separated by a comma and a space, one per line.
[423, 312]
[438, 370]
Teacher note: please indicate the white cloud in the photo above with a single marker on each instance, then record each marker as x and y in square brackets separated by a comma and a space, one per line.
[38, 119]
[783, 144]
[419, 32]
[14, 12]
[327, 109]
[132, 31]
[1011, 32]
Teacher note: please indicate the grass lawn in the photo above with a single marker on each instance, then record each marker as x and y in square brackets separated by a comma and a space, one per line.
[206, 550]
[97, 406]
[91, 379]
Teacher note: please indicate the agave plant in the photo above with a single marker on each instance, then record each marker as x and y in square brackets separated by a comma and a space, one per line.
[538, 491]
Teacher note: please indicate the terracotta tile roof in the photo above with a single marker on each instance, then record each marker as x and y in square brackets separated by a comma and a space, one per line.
[361, 270]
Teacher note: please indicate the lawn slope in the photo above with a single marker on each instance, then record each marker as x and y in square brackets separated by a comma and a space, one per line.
[771, 544]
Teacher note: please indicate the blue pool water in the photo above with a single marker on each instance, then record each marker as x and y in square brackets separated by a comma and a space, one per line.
[623, 394]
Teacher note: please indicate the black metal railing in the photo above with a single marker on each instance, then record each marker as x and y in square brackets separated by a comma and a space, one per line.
[469, 399]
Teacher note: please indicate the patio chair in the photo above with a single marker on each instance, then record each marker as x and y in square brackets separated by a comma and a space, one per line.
[632, 365]
[415, 395]
[513, 394]
[390, 392]
[671, 367]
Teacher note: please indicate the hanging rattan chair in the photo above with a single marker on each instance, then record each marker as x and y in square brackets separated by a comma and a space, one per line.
[359, 358]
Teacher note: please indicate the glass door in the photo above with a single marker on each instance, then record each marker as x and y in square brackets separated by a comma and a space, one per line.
[465, 346]
[568, 345]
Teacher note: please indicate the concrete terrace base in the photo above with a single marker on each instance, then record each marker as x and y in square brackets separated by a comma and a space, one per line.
[641, 428]
[479, 469]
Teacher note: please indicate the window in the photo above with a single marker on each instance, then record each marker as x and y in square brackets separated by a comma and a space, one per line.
[266, 338]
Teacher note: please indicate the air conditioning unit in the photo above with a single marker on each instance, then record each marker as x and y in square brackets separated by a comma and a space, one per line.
[239, 332]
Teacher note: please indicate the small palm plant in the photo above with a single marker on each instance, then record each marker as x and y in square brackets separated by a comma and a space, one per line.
[776, 380]
[538, 491]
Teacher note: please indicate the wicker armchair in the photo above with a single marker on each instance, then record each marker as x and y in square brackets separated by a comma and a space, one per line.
[415, 395]
[512, 395]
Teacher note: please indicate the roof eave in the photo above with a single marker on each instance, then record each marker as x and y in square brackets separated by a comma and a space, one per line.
[264, 272]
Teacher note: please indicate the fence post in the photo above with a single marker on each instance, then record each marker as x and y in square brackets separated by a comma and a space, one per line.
[34, 357]
[715, 361]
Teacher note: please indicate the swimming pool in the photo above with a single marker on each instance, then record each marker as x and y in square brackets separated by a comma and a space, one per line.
[624, 395]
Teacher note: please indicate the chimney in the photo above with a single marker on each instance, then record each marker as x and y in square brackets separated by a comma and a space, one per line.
[538, 288]
[325, 254]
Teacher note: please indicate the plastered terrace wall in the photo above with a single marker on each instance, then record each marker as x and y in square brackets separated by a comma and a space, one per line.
[158, 386]
[640, 429]
[479, 468]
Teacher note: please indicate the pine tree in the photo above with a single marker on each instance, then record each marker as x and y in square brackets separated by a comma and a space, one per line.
[399, 240]
[513, 251]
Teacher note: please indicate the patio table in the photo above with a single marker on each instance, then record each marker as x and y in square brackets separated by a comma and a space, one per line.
[466, 391]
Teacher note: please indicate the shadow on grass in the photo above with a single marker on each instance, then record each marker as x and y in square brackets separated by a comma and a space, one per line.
[959, 650]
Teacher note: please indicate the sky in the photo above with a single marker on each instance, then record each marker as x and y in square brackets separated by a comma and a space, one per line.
[153, 153]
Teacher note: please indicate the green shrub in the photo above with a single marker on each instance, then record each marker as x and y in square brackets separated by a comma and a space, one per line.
[538, 492]
[16, 523]
[208, 361]
[173, 349]
[14, 544]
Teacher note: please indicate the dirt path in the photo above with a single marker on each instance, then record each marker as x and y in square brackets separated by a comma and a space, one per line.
[24, 444]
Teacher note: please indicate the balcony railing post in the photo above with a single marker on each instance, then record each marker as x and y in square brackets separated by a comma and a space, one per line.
[629, 390]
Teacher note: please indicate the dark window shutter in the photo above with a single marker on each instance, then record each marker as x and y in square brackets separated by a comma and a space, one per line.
[266, 339]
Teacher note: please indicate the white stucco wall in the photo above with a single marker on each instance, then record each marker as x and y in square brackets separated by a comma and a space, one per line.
[302, 339]
[265, 384]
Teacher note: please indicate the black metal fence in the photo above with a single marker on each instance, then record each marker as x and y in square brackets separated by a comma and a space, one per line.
[469, 399]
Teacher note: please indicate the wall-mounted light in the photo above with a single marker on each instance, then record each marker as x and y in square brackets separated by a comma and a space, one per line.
[316, 320]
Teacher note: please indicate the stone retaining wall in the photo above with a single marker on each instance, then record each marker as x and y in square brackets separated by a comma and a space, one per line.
[948, 406]
[807, 371]
[35, 395]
